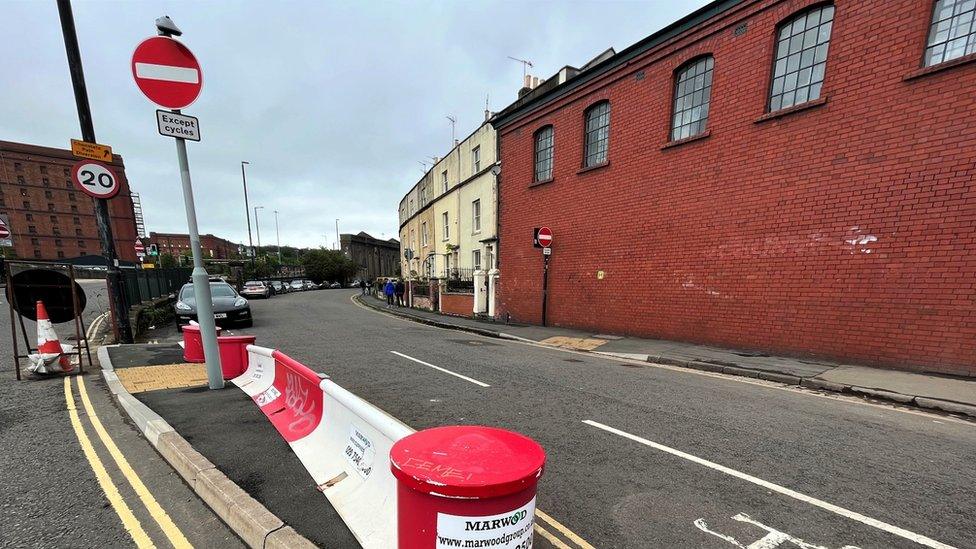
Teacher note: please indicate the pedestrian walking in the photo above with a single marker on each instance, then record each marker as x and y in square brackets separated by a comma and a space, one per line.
[389, 290]
[400, 289]
[362, 287]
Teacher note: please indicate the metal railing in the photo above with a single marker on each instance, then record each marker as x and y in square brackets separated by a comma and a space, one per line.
[148, 284]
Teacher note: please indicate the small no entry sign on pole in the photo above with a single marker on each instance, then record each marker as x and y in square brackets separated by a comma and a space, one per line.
[5, 239]
[167, 72]
[95, 179]
[543, 237]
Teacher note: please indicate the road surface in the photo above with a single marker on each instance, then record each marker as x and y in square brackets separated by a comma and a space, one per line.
[52, 495]
[655, 456]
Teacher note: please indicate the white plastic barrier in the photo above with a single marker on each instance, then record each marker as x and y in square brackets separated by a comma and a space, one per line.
[342, 440]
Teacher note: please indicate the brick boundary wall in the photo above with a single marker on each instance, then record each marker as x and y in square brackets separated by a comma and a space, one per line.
[845, 230]
[457, 304]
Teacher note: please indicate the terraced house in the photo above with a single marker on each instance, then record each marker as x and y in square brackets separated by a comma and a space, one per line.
[447, 220]
[784, 176]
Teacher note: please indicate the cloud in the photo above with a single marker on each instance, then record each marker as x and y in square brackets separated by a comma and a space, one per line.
[333, 104]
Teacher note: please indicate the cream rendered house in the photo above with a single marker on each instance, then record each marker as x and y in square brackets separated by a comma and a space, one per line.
[454, 205]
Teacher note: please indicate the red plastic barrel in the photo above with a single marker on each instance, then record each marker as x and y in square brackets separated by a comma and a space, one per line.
[233, 354]
[466, 484]
[193, 344]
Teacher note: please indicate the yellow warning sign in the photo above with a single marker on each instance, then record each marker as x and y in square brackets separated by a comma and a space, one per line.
[94, 151]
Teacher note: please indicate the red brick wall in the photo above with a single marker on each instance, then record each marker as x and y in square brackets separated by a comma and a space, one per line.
[40, 177]
[844, 231]
[457, 304]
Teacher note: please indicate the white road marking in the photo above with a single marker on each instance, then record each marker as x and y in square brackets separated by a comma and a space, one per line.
[771, 540]
[446, 371]
[168, 73]
[96, 325]
[875, 523]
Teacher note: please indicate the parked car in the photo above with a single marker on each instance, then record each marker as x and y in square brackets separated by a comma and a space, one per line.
[278, 287]
[229, 307]
[335, 285]
[309, 285]
[256, 288]
[297, 285]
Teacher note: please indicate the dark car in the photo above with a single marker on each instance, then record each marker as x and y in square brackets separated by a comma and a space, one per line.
[257, 288]
[278, 287]
[228, 306]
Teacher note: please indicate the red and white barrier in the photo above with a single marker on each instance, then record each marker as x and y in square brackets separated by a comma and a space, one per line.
[342, 440]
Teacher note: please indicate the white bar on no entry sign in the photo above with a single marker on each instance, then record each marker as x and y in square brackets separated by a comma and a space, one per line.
[168, 73]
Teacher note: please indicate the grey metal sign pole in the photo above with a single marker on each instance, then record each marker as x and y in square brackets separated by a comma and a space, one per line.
[201, 281]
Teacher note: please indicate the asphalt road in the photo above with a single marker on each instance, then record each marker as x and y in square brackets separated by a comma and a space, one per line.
[51, 496]
[652, 456]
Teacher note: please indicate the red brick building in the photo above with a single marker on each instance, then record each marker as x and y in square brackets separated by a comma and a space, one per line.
[178, 244]
[792, 176]
[49, 218]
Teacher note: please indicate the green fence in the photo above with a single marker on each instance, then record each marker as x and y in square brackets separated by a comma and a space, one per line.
[148, 284]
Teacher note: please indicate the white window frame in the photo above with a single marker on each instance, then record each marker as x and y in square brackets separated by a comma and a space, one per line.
[476, 259]
[444, 183]
[446, 219]
[476, 159]
[423, 234]
[476, 215]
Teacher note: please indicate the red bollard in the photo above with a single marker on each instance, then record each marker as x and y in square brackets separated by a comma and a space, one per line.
[193, 343]
[233, 354]
[466, 484]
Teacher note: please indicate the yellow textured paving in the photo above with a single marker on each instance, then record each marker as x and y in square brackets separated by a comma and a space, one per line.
[577, 343]
[166, 376]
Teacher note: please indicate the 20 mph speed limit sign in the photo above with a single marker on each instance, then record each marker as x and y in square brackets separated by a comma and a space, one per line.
[95, 179]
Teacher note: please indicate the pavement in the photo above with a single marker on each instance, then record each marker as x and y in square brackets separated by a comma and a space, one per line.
[949, 394]
[52, 495]
[639, 454]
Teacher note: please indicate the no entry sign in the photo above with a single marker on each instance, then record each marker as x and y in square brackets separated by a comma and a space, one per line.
[140, 249]
[5, 232]
[544, 237]
[94, 179]
[167, 72]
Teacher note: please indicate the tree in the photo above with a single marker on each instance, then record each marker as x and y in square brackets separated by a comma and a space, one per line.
[167, 261]
[321, 265]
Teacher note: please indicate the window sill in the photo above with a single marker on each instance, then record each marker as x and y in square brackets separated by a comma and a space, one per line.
[925, 71]
[593, 168]
[692, 139]
[790, 110]
[540, 183]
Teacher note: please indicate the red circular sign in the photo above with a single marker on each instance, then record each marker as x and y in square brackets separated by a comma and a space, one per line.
[167, 72]
[95, 179]
[139, 247]
[545, 237]
[4, 231]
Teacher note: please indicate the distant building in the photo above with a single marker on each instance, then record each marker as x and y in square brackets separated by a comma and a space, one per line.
[447, 220]
[178, 244]
[375, 257]
[48, 217]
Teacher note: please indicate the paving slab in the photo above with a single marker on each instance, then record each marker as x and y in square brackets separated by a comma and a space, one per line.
[906, 383]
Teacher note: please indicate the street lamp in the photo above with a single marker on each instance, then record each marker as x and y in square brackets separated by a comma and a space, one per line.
[247, 211]
[278, 236]
[257, 226]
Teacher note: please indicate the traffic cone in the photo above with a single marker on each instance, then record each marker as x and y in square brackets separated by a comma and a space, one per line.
[47, 339]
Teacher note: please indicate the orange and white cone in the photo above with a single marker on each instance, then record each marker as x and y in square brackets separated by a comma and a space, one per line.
[48, 344]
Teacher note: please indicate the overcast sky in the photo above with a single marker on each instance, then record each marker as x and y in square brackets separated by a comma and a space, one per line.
[333, 104]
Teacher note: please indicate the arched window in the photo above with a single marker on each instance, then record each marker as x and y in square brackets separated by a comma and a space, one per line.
[543, 154]
[692, 91]
[953, 31]
[801, 57]
[597, 134]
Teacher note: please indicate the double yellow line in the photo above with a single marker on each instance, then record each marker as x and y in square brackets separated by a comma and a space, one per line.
[122, 509]
[577, 541]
